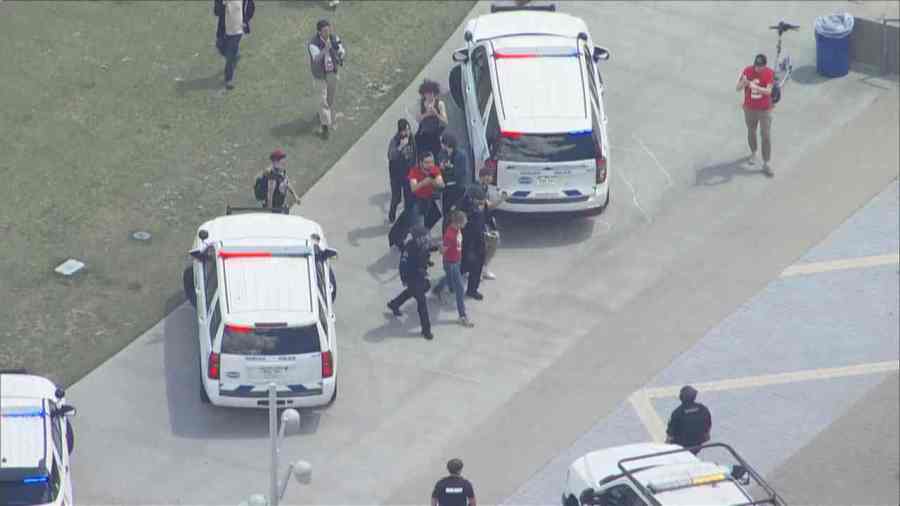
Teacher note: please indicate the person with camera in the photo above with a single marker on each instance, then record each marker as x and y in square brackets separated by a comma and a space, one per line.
[424, 179]
[414, 264]
[455, 170]
[272, 185]
[326, 54]
[432, 117]
[401, 157]
[756, 81]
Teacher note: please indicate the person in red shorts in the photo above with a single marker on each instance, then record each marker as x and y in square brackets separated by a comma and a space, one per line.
[756, 81]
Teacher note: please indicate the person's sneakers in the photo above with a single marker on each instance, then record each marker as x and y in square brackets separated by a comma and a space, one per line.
[324, 132]
[334, 3]
[394, 309]
[751, 159]
[427, 335]
[229, 85]
[475, 295]
[767, 170]
[488, 275]
[464, 321]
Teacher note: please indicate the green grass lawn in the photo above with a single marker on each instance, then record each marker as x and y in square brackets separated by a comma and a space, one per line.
[113, 119]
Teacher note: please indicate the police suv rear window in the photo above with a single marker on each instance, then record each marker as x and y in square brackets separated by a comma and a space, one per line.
[270, 341]
[547, 148]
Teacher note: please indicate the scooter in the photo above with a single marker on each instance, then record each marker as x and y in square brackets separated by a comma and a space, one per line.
[783, 64]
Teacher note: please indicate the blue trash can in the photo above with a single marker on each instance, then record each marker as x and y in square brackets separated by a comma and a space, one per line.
[833, 44]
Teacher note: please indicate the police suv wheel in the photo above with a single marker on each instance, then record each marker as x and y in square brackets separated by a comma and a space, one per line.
[333, 396]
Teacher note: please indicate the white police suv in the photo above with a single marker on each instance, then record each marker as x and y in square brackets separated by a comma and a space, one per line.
[528, 81]
[36, 439]
[264, 291]
[652, 474]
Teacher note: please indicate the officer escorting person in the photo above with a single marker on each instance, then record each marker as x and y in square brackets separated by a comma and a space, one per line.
[690, 422]
[414, 263]
[453, 490]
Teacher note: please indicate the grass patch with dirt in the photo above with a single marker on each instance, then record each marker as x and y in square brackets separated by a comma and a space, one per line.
[113, 119]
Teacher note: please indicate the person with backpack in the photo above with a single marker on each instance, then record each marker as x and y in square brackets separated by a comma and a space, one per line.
[757, 81]
[413, 267]
[452, 252]
[272, 185]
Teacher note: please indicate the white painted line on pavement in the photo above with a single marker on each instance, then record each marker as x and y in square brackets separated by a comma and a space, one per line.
[836, 265]
[655, 160]
[634, 197]
[649, 417]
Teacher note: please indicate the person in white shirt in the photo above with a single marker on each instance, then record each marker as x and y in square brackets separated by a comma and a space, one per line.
[234, 30]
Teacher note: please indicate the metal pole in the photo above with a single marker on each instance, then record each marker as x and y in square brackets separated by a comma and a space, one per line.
[883, 60]
[273, 443]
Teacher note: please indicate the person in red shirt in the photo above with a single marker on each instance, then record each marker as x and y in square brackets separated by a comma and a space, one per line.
[452, 249]
[424, 178]
[756, 82]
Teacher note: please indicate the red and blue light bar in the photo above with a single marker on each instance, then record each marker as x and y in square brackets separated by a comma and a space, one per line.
[25, 413]
[278, 252]
[35, 479]
[521, 53]
[509, 134]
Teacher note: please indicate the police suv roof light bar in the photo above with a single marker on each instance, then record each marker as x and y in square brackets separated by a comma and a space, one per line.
[512, 8]
[739, 470]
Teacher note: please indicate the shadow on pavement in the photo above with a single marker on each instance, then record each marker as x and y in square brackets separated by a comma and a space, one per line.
[372, 232]
[385, 265]
[724, 172]
[543, 230]
[406, 326]
[807, 74]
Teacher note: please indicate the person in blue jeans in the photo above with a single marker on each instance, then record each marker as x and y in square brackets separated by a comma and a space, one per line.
[452, 250]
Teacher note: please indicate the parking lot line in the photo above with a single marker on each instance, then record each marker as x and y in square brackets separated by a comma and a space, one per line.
[836, 265]
[641, 400]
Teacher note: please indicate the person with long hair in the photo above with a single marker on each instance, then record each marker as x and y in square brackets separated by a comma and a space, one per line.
[431, 117]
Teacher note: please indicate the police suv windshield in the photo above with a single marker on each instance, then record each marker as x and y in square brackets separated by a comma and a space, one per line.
[271, 341]
[546, 148]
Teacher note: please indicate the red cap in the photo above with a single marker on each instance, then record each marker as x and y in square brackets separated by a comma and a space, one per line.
[278, 154]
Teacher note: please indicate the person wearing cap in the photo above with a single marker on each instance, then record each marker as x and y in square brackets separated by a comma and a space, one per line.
[414, 264]
[453, 490]
[474, 248]
[326, 54]
[756, 81]
[276, 182]
[401, 158]
[690, 422]
[455, 170]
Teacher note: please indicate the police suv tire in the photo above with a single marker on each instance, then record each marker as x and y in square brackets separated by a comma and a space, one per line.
[599, 210]
[333, 396]
[187, 279]
[570, 500]
[70, 437]
[204, 397]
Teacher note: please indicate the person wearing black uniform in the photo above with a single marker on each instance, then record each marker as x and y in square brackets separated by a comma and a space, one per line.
[474, 251]
[453, 490]
[401, 158]
[690, 423]
[414, 263]
[455, 169]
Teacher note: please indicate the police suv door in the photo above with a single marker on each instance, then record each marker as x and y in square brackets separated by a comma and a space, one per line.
[478, 98]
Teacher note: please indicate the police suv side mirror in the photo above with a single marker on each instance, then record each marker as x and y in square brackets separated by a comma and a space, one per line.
[326, 254]
[461, 55]
[66, 411]
[600, 53]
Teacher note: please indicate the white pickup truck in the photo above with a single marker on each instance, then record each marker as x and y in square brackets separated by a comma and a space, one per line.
[652, 474]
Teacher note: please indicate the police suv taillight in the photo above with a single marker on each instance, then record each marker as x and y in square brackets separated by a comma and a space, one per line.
[327, 365]
[212, 366]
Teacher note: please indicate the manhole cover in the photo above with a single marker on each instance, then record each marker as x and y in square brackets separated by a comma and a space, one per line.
[140, 235]
[69, 267]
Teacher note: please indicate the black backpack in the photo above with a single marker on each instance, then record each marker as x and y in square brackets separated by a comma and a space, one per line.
[261, 187]
[406, 267]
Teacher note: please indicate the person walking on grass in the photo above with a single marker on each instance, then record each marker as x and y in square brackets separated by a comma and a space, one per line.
[247, 10]
[756, 82]
[326, 54]
[401, 157]
[452, 253]
[414, 263]
[234, 30]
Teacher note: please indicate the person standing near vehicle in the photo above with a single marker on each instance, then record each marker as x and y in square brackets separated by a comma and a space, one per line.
[326, 54]
[414, 263]
[401, 157]
[453, 490]
[431, 116]
[757, 81]
[455, 170]
[473, 252]
[424, 179]
[690, 422]
[452, 253]
[272, 185]
[492, 233]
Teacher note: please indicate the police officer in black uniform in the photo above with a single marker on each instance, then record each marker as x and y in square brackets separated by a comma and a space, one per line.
[414, 265]
[474, 251]
[453, 490]
[455, 169]
[690, 423]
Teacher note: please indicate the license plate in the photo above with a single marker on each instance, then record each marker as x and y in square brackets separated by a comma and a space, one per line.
[545, 180]
[270, 372]
[546, 195]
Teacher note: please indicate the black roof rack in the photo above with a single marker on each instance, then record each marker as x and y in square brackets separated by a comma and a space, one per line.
[229, 210]
[771, 499]
[511, 8]
[14, 371]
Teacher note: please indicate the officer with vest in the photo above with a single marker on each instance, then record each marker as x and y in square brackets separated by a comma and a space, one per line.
[453, 490]
[326, 54]
[414, 263]
[690, 422]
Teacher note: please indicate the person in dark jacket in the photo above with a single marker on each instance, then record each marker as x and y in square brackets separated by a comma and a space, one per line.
[474, 252]
[455, 169]
[690, 422]
[414, 274]
[401, 158]
[249, 8]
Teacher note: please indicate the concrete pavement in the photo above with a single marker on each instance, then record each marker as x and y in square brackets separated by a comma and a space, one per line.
[583, 313]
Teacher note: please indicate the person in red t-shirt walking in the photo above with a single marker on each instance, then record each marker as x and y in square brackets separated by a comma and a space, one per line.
[452, 249]
[756, 81]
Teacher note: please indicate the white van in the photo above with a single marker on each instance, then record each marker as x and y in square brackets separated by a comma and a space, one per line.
[264, 293]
